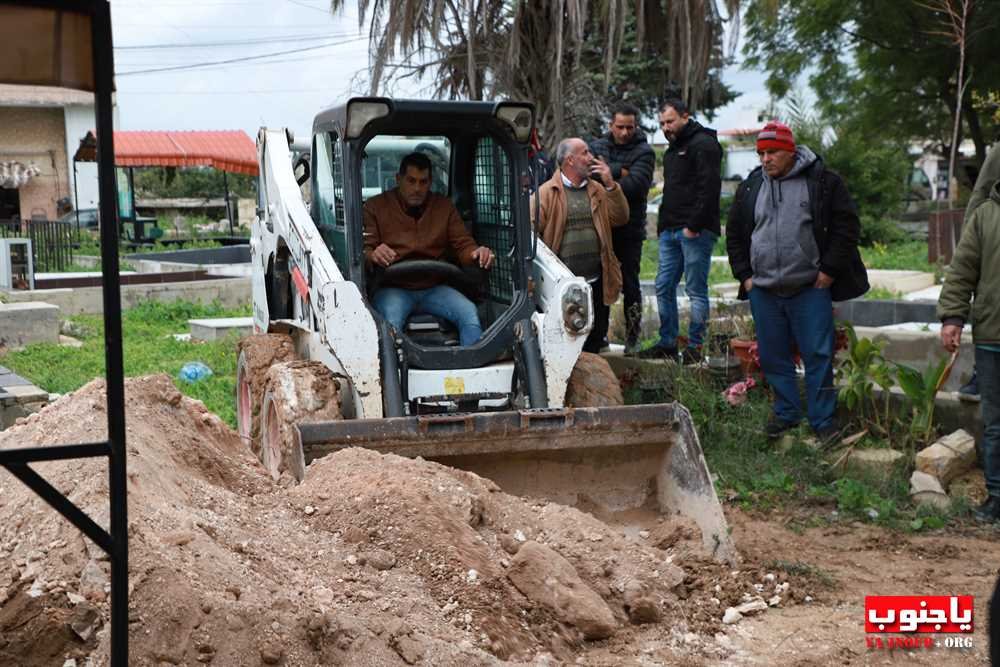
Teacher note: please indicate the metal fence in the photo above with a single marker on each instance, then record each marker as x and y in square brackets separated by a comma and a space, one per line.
[51, 241]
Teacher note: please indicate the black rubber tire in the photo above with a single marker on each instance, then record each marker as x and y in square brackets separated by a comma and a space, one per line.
[593, 384]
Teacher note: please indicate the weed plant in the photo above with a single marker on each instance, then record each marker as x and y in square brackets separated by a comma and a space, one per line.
[792, 477]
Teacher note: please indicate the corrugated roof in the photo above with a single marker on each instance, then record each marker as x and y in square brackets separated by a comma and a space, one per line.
[228, 150]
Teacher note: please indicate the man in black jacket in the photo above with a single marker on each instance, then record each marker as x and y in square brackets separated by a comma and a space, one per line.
[792, 238]
[625, 150]
[688, 226]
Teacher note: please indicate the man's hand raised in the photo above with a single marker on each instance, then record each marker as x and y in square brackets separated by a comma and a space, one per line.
[383, 255]
[484, 255]
[601, 169]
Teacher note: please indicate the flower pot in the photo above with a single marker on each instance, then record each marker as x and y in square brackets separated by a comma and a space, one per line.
[746, 351]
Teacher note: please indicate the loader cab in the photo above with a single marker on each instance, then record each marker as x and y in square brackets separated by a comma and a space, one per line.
[478, 152]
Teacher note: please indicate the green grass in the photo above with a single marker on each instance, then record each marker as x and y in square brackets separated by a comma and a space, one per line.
[882, 293]
[148, 348]
[718, 273]
[904, 255]
[756, 475]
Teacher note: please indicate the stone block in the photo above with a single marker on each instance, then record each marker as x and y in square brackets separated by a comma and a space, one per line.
[927, 490]
[949, 457]
[220, 327]
[26, 323]
[873, 461]
[900, 281]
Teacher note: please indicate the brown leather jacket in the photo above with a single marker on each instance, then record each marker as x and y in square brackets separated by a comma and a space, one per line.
[609, 208]
[437, 231]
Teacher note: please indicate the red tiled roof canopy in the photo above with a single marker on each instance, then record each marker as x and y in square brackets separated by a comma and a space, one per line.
[228, 150]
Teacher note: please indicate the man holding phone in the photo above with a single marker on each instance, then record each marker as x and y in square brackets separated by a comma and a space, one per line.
[579, 206]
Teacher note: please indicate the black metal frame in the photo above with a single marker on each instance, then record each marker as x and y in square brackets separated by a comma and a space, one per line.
[115, 541]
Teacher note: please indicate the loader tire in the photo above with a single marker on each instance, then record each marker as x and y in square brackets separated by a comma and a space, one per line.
[592, 384]
[257, 353]
[296, 392]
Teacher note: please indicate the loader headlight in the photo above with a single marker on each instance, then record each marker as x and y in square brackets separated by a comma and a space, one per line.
[362, 111]
[575, 309]
[520, 117]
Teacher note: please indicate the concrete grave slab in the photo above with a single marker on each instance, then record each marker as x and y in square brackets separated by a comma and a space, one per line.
[25, 323]
[213, 329]
[900, 281]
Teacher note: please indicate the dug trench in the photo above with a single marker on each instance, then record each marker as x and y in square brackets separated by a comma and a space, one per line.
[380, 560]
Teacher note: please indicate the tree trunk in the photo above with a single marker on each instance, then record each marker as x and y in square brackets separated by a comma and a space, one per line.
[960, 38]
[975, 130]
[470, 52]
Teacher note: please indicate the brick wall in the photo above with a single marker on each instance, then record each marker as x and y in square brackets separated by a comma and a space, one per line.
[37, 135]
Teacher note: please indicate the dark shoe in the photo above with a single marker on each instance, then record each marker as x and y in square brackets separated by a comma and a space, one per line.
[631, 347]
[989, 511]
[829, 435]
[658, 352]
[777, 427]
[691, 355]
[970, 390]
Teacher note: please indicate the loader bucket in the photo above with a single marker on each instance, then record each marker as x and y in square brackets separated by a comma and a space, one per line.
[614, 458]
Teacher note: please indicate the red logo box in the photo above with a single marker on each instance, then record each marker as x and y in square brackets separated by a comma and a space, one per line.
[919, 613]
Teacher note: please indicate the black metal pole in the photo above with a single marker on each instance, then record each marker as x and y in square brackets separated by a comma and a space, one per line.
[76, 200]
[229, 213]
[103, 72]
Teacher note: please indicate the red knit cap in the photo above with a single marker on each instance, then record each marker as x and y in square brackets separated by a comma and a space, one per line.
[776, 136]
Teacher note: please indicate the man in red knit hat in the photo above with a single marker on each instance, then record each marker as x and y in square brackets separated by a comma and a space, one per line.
[792, 238]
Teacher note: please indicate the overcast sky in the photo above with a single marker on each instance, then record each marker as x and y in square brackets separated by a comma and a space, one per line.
[287, 59]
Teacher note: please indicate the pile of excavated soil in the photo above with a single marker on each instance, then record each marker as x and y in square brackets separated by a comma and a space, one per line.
[372, 560]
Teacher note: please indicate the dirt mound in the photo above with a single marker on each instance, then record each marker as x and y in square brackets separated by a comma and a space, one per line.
[374, 559]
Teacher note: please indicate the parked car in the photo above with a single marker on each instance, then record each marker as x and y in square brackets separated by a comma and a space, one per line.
[89, 218]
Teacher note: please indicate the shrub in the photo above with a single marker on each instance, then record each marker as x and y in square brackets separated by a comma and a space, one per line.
[880, 230]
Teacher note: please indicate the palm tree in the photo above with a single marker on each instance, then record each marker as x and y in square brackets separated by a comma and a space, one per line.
[535, 49]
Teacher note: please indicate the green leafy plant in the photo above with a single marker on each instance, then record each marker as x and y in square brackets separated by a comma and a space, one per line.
[863, 368]
[857, 498]
[921, 389]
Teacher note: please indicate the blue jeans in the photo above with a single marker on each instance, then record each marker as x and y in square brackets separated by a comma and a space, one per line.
[691, 258]
[396, 304]
[805, 321]
[988, 373]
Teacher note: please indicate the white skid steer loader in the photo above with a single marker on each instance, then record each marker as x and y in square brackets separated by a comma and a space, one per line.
[523, 406]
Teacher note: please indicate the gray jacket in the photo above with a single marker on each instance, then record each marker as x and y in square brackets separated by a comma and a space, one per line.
[783, 252]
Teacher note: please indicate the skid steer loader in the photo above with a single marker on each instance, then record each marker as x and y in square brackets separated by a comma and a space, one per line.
[524, 406]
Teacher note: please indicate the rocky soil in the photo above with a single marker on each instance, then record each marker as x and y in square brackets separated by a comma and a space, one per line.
[372, 560]
[380, 560]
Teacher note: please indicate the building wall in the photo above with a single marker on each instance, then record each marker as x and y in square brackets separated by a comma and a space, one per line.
[80, 120]
[37, 135]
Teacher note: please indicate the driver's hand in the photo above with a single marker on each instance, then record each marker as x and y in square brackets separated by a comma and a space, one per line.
[383, 255]
[484, 255]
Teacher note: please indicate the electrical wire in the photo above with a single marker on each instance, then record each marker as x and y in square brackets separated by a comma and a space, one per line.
[239, 59]
[233, 42]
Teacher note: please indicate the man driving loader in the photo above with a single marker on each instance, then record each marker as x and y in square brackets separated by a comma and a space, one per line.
[411, 222]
